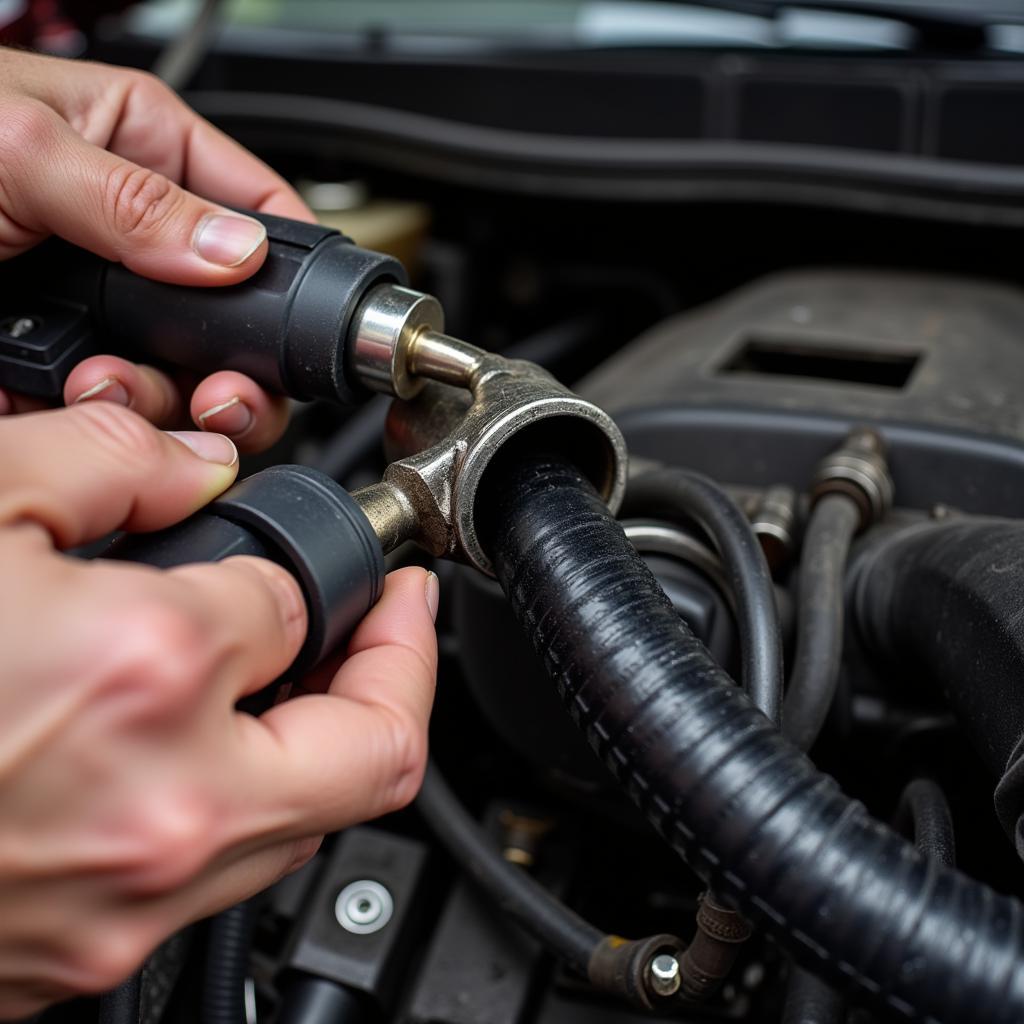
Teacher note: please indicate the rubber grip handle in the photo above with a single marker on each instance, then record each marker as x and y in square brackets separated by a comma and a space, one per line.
[300, 519]
[286, 326]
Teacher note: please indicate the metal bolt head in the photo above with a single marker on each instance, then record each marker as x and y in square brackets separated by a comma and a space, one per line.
[19, 326]
[363, 907]
[665, 974]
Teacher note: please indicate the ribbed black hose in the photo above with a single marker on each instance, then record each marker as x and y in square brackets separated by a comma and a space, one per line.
[924, 816]
[811, 1000]
[671, 491]
[227, 964]
[514, 891]
[843, 893]
[819, 618]
[122, 1005]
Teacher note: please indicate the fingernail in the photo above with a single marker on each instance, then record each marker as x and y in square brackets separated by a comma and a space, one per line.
[230, 417]
[226, 240]
[212, 447]
[433, 592]
[110, 389]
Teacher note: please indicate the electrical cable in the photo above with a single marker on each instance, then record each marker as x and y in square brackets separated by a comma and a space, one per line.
[667, 492]
[516, 893]
[819, 617]
[845, 895]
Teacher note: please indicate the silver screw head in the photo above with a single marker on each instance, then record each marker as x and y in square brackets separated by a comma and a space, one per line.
[363, 907]
[665, 976]
[20, 326]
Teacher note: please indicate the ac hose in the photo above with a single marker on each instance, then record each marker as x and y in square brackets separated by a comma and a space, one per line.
[843, 893]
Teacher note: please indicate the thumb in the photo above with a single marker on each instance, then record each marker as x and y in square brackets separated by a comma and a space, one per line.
[84, 471]
[128, 213]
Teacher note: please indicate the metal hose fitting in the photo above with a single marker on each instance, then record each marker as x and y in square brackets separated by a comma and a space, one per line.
[859, 470]
[457, 407]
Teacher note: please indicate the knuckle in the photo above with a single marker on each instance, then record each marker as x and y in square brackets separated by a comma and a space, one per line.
[104, 959]
[163, 653]
[26, 128]
[172, 842]
[148, 87]
[408, 742]
[140, 201]
[118, 432]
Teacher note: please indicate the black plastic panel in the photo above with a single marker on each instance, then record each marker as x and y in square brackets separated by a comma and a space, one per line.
[826, 112]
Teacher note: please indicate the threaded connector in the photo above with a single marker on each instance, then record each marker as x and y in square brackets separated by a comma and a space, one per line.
[857, 469]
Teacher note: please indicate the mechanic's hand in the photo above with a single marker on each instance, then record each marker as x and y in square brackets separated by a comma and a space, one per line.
[99, 155]
[133, 797]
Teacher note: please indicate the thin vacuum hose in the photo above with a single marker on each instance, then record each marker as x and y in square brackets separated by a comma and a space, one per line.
[515, 892]
[812, 688]
[843, 893]
[671, 491]
[923, 814]
[819, 618]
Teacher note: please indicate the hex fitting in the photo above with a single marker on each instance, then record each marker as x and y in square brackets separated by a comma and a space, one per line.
[459, 408]
[857, 469]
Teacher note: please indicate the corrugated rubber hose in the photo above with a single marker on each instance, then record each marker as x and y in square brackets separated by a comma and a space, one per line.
[843, 893]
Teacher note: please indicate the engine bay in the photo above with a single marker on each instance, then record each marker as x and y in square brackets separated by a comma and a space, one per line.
[810, 340]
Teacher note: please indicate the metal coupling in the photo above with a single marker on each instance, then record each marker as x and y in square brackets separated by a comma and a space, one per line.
[458, 407]
[858, 469]
[709, 958]
[773, 521]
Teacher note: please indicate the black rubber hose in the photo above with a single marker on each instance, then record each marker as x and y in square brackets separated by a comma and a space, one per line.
[943, 600]
[312, 1000]
[811, 1000]
[671, 491]
[923, 814]
[819, 618]
[515, 892]
[844, 894]
[122, 1005]
[227, 964]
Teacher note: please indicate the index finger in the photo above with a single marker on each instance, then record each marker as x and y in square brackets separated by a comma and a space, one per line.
[323, 761]
[221, 169]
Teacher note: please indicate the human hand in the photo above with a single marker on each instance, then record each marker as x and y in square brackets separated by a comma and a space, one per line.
[134, 798]
[102, 156]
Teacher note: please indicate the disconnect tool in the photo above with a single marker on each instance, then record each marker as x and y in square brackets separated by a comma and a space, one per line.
[321, 319]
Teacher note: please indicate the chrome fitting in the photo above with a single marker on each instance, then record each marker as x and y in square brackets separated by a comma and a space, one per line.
[384, 332]
[443, 438]
[773, 521]
[859, 470]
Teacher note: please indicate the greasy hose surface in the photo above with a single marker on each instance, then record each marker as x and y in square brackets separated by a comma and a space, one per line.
[843, 893]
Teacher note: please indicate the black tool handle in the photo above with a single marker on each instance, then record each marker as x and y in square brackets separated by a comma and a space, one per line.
[286, 326]
[299, 518]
